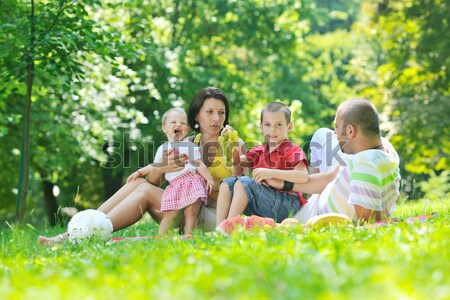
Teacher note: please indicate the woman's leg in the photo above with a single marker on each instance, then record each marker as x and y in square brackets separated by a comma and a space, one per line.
[239, 201]
[134, 199]
[190, 215]
[120, 195]
[145, 197]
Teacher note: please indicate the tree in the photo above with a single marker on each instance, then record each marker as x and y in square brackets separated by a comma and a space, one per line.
[44, 39]
[414, 39]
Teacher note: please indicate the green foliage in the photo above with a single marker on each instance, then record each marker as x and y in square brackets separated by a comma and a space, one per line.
[107, 70]
[397, 261]
[437, 187]
[413, 78]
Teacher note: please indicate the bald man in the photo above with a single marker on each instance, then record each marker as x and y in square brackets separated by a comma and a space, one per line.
[366, 186]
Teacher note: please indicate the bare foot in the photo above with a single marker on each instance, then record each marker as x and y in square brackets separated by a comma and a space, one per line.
[57, 239]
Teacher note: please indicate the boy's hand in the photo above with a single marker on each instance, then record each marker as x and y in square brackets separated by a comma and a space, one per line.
[237, 169]
[261, 174]
[210, 186]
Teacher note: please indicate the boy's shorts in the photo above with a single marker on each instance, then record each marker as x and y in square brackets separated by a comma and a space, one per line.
[264, 201]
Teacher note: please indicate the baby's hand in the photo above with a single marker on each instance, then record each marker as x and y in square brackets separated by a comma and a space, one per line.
[210, 186]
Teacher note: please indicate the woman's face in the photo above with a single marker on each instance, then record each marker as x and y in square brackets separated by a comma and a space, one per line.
[211, 116]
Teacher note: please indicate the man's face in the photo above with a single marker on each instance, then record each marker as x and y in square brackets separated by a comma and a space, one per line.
[341, 133]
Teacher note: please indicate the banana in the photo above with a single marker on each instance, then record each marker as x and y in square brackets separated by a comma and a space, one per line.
[324, 220]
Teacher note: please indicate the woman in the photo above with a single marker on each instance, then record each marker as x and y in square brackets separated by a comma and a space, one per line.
[208, 114]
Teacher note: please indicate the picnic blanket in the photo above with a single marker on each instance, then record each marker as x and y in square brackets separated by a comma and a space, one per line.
[410, 220]
[245, 222]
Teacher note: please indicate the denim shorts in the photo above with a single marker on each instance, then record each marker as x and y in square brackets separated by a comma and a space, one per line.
[264, 201]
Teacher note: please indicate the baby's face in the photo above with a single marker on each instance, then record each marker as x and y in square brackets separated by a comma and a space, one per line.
[176, 127]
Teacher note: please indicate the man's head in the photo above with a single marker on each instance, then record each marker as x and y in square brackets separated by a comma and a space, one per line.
[275, 122]
[356, 124]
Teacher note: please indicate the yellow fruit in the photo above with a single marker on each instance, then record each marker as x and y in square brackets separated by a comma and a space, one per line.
[327, 220]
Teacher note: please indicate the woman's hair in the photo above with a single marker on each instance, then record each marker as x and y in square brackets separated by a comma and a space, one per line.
[199, 99]
[176, 110]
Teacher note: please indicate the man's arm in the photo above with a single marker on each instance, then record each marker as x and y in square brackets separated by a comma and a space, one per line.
[315, 185]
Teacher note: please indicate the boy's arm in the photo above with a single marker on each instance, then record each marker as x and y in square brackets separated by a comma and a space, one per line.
[298, 175]
[203, 171]
[315, 185]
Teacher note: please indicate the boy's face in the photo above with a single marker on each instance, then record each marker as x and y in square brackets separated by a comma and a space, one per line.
[175, 127]
[275, 127]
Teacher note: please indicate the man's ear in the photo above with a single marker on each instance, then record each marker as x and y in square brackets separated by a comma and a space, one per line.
[351, 130]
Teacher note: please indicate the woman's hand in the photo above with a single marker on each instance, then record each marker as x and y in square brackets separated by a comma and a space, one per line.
[225, 129]
[171, 162]
[134, 176]
[210, 186]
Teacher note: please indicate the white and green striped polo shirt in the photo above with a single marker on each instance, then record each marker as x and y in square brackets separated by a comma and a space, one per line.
[370, 180]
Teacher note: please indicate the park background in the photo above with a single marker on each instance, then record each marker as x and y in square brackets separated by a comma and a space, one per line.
[83, 85]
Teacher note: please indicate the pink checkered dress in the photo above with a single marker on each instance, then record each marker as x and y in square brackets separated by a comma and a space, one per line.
[184, 190]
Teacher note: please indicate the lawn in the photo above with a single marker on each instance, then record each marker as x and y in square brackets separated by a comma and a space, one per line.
[397, 261]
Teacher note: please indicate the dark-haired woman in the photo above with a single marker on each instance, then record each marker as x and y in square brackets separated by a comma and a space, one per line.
[208, 114]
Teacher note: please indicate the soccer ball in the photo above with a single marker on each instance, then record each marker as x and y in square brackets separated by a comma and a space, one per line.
[89, 224]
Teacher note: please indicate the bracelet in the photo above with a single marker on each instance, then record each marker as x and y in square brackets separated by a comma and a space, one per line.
[288, 186]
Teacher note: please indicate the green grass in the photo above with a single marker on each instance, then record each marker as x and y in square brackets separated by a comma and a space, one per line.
[399, 261]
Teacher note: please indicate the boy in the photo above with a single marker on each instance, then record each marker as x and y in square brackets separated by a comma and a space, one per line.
[278, 158]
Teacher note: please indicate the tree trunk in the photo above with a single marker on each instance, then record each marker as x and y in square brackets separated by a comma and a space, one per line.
[24, 168]
[51, 207]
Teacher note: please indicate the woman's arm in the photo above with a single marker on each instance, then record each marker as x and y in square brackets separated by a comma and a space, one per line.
[154, 172]
[203, 171]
